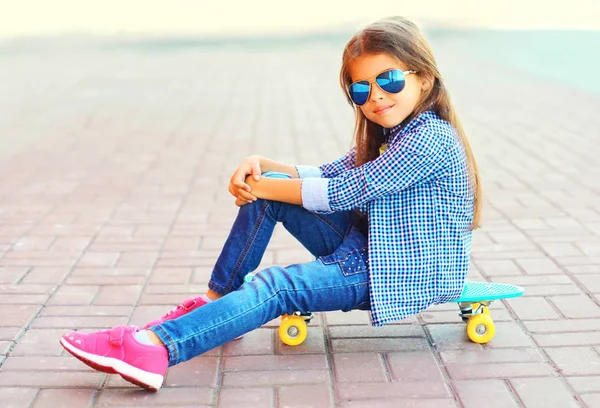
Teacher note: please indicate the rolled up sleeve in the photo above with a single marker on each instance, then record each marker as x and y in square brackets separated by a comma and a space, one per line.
[308, 171]
[314, 194]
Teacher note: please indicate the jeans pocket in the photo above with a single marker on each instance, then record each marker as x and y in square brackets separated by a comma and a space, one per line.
[351, 262]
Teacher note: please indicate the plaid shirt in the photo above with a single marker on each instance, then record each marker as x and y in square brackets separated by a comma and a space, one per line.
[420, 206]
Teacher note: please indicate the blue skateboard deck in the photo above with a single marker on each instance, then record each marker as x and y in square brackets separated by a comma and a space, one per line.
[479, 291]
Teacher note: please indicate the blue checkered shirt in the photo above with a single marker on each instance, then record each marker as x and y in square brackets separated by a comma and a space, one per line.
[419, 202]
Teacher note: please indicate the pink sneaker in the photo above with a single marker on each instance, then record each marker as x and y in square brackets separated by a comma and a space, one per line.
[116, 351]
[187, 306]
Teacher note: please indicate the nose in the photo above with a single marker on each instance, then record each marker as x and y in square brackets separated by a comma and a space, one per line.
[376, 92]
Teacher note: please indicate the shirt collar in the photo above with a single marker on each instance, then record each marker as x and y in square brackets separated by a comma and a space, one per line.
[393, 133]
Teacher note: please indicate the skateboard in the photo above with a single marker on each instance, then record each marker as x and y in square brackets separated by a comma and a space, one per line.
[474, 307]
[473, 304]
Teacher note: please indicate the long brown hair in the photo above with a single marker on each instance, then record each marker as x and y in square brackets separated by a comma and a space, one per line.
[402, 39]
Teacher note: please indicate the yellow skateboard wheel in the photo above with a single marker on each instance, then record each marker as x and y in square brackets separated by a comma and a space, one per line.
[481, 328]
[292, 330]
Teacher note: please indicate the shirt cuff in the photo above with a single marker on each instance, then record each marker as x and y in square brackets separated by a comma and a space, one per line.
[314, 194]
[308, 171]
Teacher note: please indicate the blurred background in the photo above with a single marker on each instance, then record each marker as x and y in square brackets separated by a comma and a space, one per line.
[29, 17]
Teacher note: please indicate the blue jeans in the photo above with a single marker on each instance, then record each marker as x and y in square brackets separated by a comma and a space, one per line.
[337, 280]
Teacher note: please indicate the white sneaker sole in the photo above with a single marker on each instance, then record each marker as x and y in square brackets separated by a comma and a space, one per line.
[144, 379]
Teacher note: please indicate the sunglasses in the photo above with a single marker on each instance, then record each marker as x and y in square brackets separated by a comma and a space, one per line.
[391, 81]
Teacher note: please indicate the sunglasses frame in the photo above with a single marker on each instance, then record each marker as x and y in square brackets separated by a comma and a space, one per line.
[373, 79]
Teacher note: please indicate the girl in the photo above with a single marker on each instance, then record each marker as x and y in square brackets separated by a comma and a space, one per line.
[390, 222]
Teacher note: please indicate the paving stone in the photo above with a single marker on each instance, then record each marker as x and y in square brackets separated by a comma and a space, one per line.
[36, 342]
[492, 356]
[306, 396]
[191, 396]
[197, 372]
[487, 393]
[451, 337]
[498, 371]
[376, 332]
[543, 392]
[402, 402]
[253, 397]
[576, 306]
[277, 362]
[592, 400]
[12, 275]
[378, 344]
[13, 397]
[585, 384]
[64, 398]
[32, 379]
[74, 295]
[397, 390]
[360, 367]
[575, 361]
[532, 308]
[274, 377]
[257, 342]
[10, 333]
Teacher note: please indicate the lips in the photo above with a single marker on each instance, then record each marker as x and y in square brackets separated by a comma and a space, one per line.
[383, 109]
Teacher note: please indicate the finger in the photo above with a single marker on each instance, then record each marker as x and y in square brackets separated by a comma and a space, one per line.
[244, 195]
[240, 183]
[256, 170]
[240, 203]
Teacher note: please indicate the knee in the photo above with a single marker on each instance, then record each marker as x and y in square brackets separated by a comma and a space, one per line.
[274, 209]
[255, 206]
[272, 283]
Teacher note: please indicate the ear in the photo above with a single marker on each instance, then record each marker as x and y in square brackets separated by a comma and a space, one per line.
[426, 82]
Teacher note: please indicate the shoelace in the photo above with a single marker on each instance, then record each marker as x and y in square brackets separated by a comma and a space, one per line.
[176, 308]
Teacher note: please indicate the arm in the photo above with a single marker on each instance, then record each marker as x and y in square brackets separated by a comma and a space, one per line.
[241, 186]
[406, 163]
[267, 164]
[284, 190]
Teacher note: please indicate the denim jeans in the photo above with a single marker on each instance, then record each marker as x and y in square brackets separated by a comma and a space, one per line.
[336, 280]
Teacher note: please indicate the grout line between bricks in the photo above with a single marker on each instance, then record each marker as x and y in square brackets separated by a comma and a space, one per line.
[511, 389]
[327, 344]
[440, 362]
[541, 350]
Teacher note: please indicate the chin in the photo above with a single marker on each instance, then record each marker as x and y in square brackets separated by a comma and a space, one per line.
[387, 123]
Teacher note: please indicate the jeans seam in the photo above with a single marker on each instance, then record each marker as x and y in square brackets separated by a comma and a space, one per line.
[170, 344]
[215, 287]
[247, 246]
[322, 219]
[330, 224]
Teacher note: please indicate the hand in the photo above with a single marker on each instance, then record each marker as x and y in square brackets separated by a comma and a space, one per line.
[237, 184]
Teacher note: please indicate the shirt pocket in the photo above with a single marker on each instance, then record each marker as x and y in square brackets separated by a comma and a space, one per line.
[351, 262]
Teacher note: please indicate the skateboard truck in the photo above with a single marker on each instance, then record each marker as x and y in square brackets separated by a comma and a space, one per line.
[468, 309]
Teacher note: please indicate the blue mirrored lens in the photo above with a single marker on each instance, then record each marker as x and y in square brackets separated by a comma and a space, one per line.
[391, 81]
[359, 92]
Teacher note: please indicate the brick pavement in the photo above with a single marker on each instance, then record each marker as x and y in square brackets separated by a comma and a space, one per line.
[113, 207]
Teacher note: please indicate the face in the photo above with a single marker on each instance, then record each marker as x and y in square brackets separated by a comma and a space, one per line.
[385, 109]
